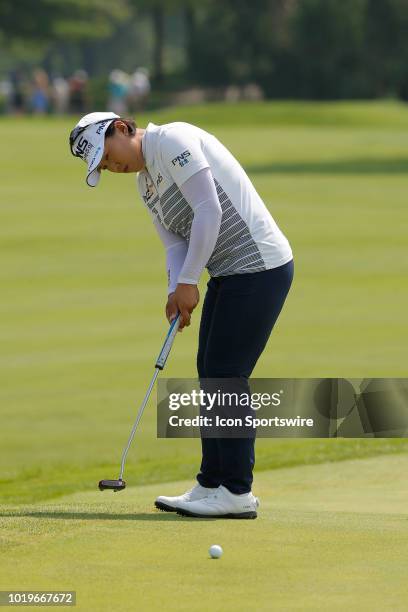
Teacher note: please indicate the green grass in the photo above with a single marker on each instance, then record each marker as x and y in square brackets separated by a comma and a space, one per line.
[376, 115]
[83, 287]
[83, 291]
[327, 538]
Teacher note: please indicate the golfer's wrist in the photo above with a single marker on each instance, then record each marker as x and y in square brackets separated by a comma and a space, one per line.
[187, 283]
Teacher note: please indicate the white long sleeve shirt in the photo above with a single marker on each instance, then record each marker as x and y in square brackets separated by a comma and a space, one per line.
[185, 263]
[205, 208]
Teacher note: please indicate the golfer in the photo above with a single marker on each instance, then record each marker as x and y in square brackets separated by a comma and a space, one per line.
[208, 215]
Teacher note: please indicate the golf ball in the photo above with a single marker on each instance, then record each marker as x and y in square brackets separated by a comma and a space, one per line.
[215, 551]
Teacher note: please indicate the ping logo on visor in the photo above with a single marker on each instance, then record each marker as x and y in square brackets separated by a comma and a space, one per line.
[101, 127]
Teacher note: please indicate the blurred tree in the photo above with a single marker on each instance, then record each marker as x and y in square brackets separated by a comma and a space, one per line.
[327, 41]
[292, 48]
[45, 20]
[220, 39]
[386, 47]
[236, 41]
[158, 11]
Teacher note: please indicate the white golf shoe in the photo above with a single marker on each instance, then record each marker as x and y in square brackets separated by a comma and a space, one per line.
[169, 504]
[221, 504]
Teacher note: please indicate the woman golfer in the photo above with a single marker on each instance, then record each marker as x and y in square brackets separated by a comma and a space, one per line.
[208, 215]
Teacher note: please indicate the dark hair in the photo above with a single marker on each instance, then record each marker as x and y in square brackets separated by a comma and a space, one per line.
[129, 122]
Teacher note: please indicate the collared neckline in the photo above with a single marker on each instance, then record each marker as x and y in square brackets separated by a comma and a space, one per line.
[148, 145]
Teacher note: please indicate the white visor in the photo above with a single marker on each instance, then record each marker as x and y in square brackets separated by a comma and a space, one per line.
[90, 143]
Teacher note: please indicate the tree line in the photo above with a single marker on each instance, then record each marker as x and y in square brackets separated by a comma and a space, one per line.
[309, 49]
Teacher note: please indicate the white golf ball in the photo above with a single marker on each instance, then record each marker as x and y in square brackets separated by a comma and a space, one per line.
[215, 551]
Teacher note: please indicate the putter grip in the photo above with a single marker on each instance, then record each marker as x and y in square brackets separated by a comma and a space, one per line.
[164, 353]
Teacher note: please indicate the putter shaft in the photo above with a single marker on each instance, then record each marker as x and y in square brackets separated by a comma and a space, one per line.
[138, 417]
[160, 363]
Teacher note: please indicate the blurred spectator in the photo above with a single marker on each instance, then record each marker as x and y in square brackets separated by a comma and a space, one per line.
[78, 99]
[118, 88]
[6, 89]
[60, 95]
[232, 94]
[252, 92]
[40, 96]
[17, 94]
[139, 89]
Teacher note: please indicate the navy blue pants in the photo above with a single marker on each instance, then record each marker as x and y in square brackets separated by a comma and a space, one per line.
[238, 315]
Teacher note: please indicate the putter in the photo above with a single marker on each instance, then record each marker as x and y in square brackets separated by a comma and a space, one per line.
[120, 484]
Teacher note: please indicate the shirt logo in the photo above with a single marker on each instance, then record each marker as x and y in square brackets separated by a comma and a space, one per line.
[181, 159]
[159, 179]
[149, 191]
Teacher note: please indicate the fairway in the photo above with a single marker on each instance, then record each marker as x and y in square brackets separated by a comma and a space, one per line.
[83, 286]
[328, 537]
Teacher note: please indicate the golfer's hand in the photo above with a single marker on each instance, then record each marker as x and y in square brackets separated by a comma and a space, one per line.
[186, 298]
[171, 307]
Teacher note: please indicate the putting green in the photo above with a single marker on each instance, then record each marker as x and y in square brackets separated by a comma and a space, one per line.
[328, 537]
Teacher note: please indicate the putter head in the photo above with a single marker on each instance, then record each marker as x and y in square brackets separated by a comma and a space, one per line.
[114, 485]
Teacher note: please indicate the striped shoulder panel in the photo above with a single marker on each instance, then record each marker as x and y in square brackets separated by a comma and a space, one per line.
[177, 212]
[235, 250]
